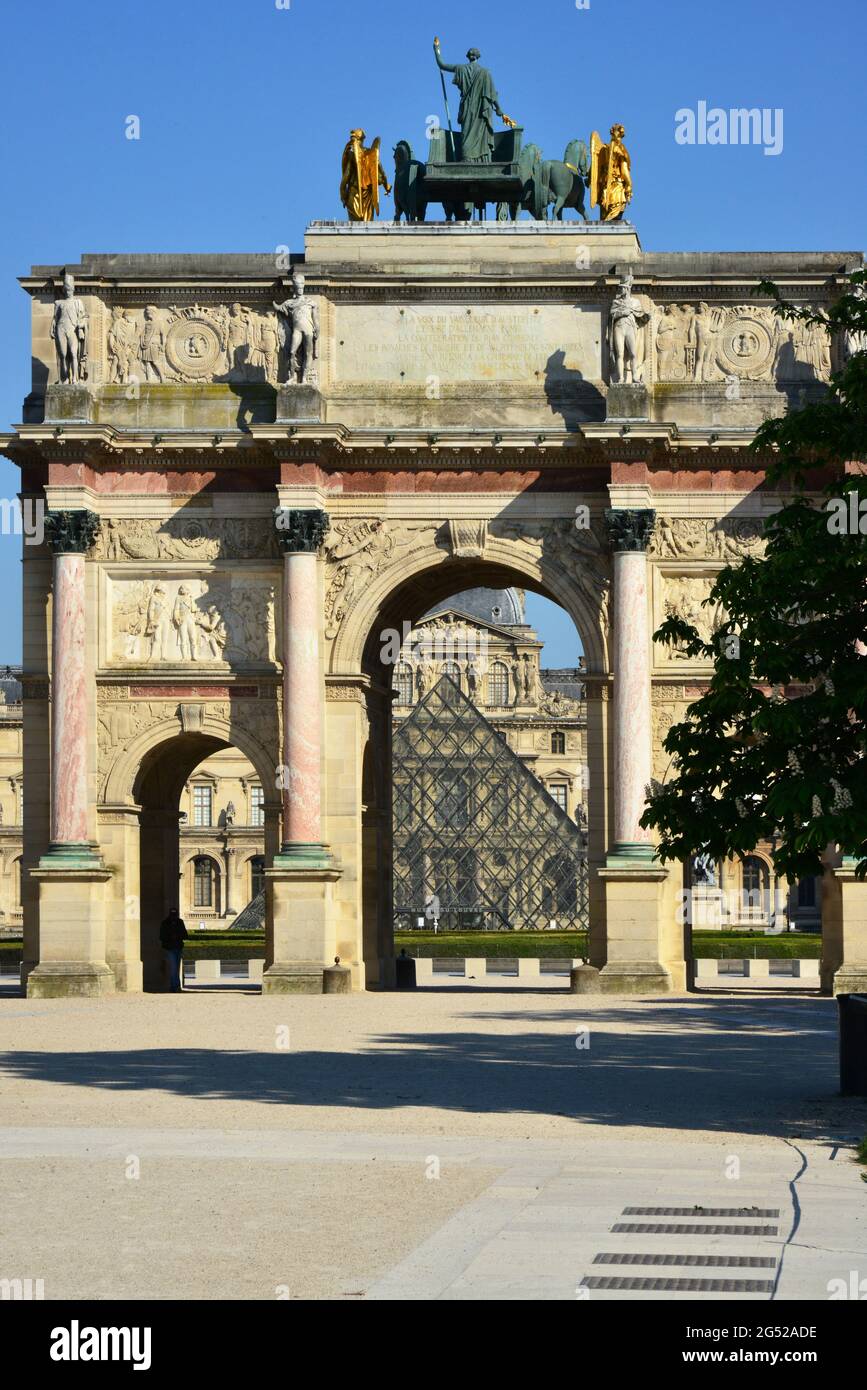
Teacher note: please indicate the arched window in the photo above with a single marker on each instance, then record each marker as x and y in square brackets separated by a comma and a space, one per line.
[403, 683]
[558, 742]
[498, 684]
[204, 882]
[755, 886]
[257, 875]
[453, 671]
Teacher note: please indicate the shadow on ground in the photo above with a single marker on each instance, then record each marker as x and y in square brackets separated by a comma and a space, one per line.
[730, 1065]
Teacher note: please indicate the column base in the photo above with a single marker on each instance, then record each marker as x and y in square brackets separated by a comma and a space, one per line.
[849, 979]
[294, 977]
[71, 926]
[70, 979]
[301, 854]
[631, 854]
[635, 977]
[72, 854]
[301, 919]
[637, 954]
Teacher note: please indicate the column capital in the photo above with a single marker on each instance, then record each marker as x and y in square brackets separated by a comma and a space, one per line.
[71, 532]
[630, 528]
[300, 531]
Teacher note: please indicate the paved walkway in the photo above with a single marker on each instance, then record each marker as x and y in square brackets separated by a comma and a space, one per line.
[445, 1144]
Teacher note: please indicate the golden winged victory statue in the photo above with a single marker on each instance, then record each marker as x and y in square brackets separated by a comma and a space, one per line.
[362, 175]
[610, 177]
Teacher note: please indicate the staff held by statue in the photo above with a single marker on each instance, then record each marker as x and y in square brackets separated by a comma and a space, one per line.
[446, 100]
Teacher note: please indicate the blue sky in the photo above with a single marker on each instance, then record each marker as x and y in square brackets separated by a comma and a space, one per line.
[245, 108]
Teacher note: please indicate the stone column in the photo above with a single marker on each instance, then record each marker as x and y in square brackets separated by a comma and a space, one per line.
[300, 535]
[300, 929]
[643, 946]
[71, 875]
[630, 535]
[70, 535]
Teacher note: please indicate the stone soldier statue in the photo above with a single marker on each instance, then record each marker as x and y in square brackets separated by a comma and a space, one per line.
[303, 316]
[478, 101]
[625, 316]
[69, 333]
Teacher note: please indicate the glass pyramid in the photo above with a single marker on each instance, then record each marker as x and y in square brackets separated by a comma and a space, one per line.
[478, 842]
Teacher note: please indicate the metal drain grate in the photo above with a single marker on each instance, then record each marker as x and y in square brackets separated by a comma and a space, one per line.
[701, 1211]
[690, 1261]
[612, 1281]
[673, 1228]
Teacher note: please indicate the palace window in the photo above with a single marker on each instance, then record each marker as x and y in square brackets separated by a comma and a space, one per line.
[558, 791]
[257, 806]
[403, 683]
[755, 886]
[204, 882]
[558, 742]
[257, 875]
[807, 891]
[498, 684]
[203, 809]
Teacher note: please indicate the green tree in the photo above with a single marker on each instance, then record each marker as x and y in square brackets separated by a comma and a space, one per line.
[775, 748]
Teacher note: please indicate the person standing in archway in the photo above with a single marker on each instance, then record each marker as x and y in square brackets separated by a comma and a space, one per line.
[173, 933]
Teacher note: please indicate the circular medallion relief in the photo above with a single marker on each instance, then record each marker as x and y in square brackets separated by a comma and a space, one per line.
[745, 347]
[193, 347]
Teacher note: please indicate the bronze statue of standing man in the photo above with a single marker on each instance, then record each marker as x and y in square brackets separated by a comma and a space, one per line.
[478, 101]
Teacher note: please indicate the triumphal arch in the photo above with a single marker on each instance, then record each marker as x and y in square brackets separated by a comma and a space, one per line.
[253, 470]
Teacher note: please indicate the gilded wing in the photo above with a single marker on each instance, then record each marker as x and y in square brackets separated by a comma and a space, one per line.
[598, 168]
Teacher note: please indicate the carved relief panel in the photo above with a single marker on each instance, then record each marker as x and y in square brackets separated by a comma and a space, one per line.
[162, 618]
[712, 343]
[682, 594]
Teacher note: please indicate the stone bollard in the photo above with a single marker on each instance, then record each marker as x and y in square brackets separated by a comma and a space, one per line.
[336, 978]
[475, 965]
[255, 971]
[584, 979]
[206, 970]
[528, 968]
[758, 969]
[423, 970]
[706, 969]
[807, 969]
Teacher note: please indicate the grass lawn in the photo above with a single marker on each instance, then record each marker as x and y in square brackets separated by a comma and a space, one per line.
[558, 945]
[709, 945]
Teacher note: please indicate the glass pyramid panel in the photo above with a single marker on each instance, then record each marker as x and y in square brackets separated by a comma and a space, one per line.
[478, 842]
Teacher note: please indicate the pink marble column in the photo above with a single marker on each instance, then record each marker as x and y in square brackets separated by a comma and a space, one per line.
[630, 534]
[70, 534]
[301, 533]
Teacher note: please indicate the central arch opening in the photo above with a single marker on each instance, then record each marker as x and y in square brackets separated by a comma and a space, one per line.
[477, 799]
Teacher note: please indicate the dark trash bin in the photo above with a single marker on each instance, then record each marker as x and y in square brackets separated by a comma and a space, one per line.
[852, 1013]
[404, 971]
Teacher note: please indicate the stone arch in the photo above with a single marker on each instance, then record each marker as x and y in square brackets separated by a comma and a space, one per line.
[124, 771]
[139, 831]
[425, 572]
[429, 572]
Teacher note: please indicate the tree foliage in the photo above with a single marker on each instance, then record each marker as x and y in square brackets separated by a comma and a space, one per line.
[775, 748]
